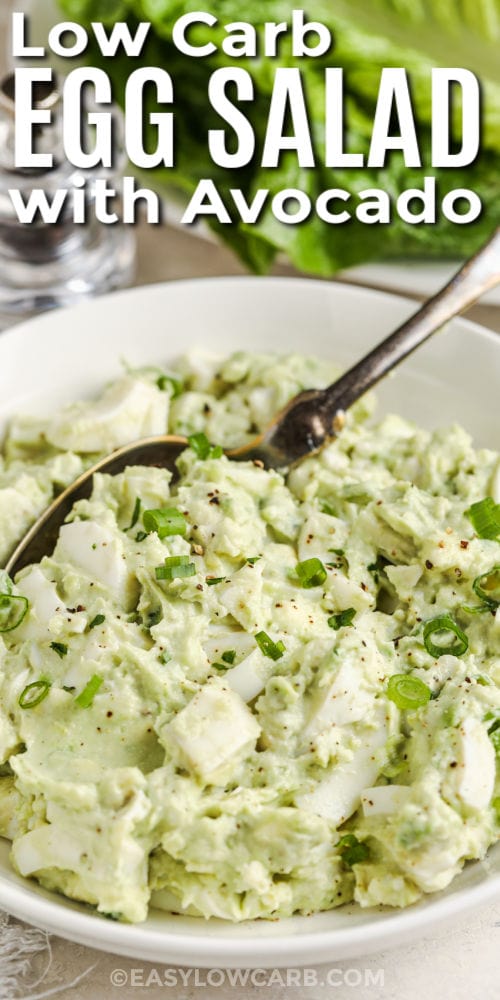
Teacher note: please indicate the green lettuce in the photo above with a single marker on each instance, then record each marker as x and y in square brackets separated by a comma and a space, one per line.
[369, 34]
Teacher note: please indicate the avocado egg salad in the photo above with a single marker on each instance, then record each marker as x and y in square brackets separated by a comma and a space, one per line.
[237, 693]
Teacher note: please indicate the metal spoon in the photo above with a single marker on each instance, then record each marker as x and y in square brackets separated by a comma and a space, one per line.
[303, 426]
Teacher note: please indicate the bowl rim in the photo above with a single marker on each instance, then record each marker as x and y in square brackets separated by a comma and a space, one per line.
[71, 921]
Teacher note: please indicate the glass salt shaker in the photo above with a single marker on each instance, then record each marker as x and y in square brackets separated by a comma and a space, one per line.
[46, 265]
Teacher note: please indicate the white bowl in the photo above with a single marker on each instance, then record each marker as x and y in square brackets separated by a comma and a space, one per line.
[453, 378]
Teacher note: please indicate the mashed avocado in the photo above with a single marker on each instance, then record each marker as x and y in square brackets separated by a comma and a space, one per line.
[243, 694]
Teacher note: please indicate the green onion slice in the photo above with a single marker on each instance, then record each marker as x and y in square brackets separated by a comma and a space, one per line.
[168, 383]
[477, 609]
[202, 447]
[311, 572]
[407, 692]
[86, 697]
[274, 650]
[352, 850]
[13, 611]
[212, 580]
[34, 693]
[175, 566]
[444, 628]
[343, 619]
[98, 620]
[166, 521]
[485, 518]
[60, 648]
[487, 587]
[135, 514]
[228, 658]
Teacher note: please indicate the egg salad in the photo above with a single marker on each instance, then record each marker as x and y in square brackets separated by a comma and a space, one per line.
[239, 693]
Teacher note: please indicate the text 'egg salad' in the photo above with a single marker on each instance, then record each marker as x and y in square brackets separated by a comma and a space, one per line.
[245, 694]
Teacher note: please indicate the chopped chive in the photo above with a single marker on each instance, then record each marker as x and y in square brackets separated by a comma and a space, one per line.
[229, 656]
[221, 666]
[34, 693]
[86, 697]
[165, 657]
[98, 620]
[175, 567]
[212, 580]
[487, 587]
[343, 619]
[135, 515]
[173, 385]
[443, 627]
[202, 447]
[13, 611]
[352, 850]
[485, 518]
[141, 535]
[60, 648]
[252, 560]
[166, 521]
[311, 572]
[407, 692]
[274, 650]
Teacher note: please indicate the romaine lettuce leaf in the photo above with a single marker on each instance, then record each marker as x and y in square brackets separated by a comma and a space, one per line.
[369, 34]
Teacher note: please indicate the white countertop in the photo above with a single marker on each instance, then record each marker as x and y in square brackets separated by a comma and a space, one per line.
[458, 963]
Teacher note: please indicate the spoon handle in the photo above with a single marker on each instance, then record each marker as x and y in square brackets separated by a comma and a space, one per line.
[316, 415]
[477, 275]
